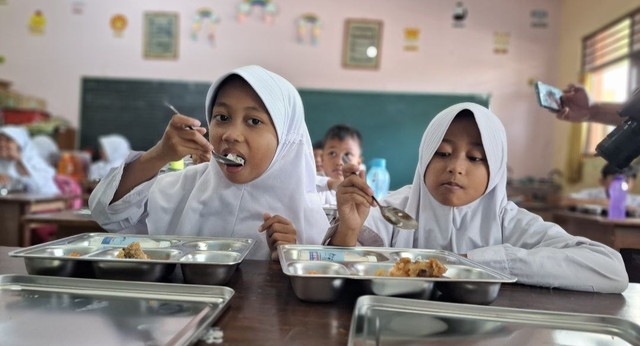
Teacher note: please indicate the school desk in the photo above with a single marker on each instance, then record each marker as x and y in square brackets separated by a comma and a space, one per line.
[14, 206]
[69, 222]
[265, 311]
[617, 234]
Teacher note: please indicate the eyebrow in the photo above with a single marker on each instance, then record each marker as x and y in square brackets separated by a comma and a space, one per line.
[475, 144]
[253, 108]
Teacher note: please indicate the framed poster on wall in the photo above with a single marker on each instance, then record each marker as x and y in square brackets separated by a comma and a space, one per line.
[362, 43]
[161, 35]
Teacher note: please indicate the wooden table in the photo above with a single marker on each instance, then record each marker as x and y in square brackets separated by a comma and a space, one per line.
[614, 233]
[69, 222]
[16, 205]
[265, 311]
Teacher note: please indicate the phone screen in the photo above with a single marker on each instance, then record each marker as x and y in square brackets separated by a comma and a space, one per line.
[549, 97]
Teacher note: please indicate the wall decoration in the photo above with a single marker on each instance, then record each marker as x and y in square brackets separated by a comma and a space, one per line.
[459, 15]
[3, 3]
[539, 19]
[207, 18]
[77, 7]
[2, 59]
[118, 24]
[37, 23]
[312, 21]
[268, 9]
[362, 43]
[411, 37]
[161, 35]
[501, 42]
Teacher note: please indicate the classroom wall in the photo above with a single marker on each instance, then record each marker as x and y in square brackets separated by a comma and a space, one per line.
[449, 60]
[580, 18]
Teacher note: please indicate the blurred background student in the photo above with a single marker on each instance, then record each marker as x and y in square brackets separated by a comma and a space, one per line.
[47, 148]
[317, 155]
[600, 195]
[114, 149]
[21, 167]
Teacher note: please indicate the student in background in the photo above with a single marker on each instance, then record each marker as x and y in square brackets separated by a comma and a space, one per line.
[113, 151]
[458, 196]
[340, 140]
[254, 114]
[47, 148]
[600, 195]
[317, 155]
[21, 167]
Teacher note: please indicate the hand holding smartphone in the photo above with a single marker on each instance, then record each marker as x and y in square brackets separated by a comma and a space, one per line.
[549, 97]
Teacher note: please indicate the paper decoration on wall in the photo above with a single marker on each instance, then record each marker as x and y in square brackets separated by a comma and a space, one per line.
[312, 21]
[501, 42]
[118, 24]
[207, 18]
[37, 23]
[2, 59]
[539, 19]
[77, 7]
[268, 9]
[459, 15]
[411, 36]
[3, 3]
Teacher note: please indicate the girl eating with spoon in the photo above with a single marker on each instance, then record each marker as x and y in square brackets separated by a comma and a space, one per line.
[458, 196]
[253, 114]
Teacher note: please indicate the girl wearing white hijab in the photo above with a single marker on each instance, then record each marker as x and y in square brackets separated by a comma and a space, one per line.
[114, 150]
[458, 196]
[21, 165]
[46, 148]
[254, 114]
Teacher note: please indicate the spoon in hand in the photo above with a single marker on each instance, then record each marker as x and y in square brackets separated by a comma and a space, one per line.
[235, 161]
[391, 214]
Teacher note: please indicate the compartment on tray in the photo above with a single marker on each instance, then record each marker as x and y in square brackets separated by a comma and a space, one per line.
[209, 267]
[146, 242]
[59, 261]
[308, 287]
[424, 255]
[217, 245]
[385, 285]
[107, 266]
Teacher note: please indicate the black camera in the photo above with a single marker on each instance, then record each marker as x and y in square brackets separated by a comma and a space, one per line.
[622, 145]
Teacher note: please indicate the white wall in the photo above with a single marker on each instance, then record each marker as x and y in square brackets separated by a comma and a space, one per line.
[449, 59]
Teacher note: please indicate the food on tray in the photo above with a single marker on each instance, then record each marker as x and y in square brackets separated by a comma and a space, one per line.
[404, 267]
[313, 272]
[133, 250]
[74, 254]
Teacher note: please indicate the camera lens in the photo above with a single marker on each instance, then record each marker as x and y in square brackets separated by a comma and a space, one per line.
[622, 145]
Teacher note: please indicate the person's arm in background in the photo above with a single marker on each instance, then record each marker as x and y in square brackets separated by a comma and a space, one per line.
[577, 108]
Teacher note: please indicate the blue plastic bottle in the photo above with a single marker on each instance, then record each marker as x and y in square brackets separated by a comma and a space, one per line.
[378, 178]
[618, 197]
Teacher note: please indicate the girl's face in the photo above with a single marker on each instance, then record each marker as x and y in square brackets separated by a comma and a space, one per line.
[8, 147]
[458, 173]
[241, 125]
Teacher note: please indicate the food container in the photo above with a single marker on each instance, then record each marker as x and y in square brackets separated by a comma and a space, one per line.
[319, 273]
[209, 261]
[47, 310]
[400, 321]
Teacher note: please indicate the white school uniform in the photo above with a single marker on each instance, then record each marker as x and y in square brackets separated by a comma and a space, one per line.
[201, 201]
[116, 148]
[326, 196]
[46, 148]
[40, 174]
[491, 230]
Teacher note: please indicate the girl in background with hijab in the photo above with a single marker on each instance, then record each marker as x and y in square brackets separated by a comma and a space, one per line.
[458, 196]
[21, 167]
[47, 148]
[254, 114]
[113, 150]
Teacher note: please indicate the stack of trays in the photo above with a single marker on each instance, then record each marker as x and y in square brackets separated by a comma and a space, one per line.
[208, 261]
[319, 273]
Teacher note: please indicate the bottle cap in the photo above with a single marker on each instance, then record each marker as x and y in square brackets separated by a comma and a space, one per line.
[378, 162]
[177, 165]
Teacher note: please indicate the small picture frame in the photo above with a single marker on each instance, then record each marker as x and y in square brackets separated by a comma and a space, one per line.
[161, 35]
[362, 44]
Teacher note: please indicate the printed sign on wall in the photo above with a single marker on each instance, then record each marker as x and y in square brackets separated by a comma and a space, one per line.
[501, 42]
[161, 35]
[37, 23]
[411, 36]
[539, 19]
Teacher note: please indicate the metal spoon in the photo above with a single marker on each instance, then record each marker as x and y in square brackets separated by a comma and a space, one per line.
[392, 215]
[216, 156]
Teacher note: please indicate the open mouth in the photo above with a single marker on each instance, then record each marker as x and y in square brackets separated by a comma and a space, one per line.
[452, 184]
[239, 161]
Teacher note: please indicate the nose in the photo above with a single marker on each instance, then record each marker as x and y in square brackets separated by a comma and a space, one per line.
[233, 133]
[456, 166]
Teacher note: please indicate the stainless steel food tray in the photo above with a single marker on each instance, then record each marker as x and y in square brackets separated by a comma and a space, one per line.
[46, 310]
[208, 261]
[319, 273]
[400, 321]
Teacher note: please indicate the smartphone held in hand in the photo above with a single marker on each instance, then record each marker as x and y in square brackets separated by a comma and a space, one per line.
[549, 97]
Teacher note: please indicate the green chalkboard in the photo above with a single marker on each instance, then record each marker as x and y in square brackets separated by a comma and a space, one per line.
[391, 123]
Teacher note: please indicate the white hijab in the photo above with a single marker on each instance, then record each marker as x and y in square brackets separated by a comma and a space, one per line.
[40, 179]
[457, 229]
[214, 206]
[116, 148]
[46, 147]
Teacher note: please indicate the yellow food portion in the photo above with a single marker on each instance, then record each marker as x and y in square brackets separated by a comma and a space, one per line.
[404, 267]
[132, 251]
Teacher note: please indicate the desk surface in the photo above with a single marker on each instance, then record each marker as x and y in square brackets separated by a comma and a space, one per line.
[628, 222]
[26, 197]
[264, 309]
[64, 217]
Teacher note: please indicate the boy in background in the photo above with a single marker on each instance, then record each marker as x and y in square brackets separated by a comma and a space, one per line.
[600, 195]
[317, 155]
[340, 140]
